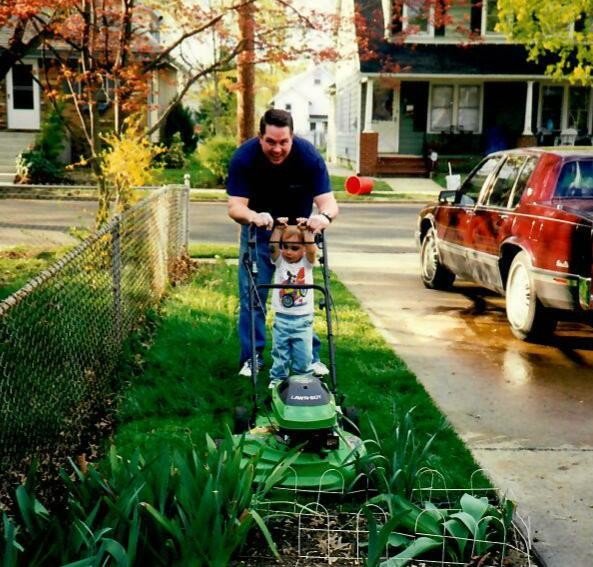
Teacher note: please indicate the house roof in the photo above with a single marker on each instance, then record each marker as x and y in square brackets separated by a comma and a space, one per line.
[378, 55]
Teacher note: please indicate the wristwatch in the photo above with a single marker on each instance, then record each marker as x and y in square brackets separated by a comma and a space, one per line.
[327, 216]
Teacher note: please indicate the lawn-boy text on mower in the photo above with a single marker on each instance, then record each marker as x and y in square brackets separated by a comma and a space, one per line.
[302, 413]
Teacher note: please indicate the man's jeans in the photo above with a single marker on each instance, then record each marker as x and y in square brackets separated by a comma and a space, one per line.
[265, 271]
[291, 346]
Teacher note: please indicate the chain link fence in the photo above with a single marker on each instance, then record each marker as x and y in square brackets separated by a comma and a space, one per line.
[61, 335]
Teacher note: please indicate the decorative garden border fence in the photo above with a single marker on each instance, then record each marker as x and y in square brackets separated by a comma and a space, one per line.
[62, 333]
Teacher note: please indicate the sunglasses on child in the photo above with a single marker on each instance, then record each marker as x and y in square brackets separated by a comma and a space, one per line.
[293, 247]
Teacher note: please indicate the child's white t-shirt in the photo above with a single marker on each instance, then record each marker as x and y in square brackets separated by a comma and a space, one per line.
[293, 301]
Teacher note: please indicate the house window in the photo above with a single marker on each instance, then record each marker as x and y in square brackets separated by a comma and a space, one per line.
[490, 15]
[22, 87]
[455, 107]
[578, 108]
[441, 113]
[288, 107]
[312, 126]
[443, 18]
[416, 16]
[382, 103]
[551, 107]
[469, 108]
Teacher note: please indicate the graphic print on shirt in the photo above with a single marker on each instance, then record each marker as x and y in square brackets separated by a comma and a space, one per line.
[293, 297]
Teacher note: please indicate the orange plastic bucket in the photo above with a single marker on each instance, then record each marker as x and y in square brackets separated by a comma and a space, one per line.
[356, 185]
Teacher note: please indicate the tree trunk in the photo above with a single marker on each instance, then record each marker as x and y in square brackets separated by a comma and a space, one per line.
[246, 75]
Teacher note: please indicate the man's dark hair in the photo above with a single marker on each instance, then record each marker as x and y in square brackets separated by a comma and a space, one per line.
[275, 117]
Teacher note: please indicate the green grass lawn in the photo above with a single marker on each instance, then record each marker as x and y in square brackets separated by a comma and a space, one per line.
[186, 384]
[18, 265]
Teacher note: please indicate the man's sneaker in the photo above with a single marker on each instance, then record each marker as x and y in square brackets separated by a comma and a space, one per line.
[246, 368]
[274, 382]
[320, 369]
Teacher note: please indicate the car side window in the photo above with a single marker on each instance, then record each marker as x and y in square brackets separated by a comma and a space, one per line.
[575, 180]
[522, 181]
[505, 181]
[470, 190]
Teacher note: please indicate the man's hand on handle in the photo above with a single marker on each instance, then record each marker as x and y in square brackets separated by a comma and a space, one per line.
[315, 223]
[263, 220]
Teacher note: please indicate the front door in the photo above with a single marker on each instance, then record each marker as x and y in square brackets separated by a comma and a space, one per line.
[22, 97]
[386, 117]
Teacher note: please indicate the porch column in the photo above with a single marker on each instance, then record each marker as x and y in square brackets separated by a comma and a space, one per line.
[368, 107]
[527, 131]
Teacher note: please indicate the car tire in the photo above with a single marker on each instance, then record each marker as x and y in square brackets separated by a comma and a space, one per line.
[434, 275]
[528, 318]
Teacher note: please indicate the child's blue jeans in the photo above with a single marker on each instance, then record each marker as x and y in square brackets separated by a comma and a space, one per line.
[264, 276]
[291, 345]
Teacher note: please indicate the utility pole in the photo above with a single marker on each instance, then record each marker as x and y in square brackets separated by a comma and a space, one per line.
[246, 74]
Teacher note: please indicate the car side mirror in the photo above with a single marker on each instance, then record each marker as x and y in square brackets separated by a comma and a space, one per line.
[447, 197]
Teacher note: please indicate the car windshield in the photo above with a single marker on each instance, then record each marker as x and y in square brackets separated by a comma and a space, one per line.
[575, 180]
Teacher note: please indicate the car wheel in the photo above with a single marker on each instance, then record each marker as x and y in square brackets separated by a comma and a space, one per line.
[528, 318]
[434, 274]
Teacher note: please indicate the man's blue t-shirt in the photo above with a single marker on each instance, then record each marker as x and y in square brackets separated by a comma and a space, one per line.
[284, 190]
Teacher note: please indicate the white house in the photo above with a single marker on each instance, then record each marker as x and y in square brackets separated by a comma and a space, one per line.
[306, 97]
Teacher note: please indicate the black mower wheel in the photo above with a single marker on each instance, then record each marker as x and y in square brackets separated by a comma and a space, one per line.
[351, 420]
[241, 419]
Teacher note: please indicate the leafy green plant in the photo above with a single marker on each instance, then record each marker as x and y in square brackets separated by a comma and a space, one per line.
[181, 124]
[215, 153]
[460, 535]
[41, 163]
[394, 464]
[185, 508]
[173, 157]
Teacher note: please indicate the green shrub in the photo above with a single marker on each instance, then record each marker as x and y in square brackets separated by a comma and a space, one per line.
[34, 167]
[41, 164]
[181, 122]
[173, 157]
[215, 154]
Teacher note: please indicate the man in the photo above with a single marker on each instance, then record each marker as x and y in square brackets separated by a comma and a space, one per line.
[274, 175]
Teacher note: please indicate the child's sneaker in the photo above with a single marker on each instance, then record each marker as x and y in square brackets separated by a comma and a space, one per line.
[320, 369]
[274, 382]
[246, 368]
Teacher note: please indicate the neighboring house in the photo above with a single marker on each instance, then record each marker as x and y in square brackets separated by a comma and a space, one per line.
[23, 105]
[454, 89]
[306, 97]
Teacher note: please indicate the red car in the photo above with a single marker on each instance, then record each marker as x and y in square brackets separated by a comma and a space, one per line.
[521, 224]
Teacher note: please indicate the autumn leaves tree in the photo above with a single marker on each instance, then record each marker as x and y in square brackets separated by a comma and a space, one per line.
[102, 59]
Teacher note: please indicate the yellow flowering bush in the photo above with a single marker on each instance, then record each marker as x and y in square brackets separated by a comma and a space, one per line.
[128, 162]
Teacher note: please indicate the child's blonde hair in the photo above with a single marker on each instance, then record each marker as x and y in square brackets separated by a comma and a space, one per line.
[290, 231]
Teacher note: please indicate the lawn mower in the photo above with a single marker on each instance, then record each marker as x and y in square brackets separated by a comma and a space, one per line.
[302, 416]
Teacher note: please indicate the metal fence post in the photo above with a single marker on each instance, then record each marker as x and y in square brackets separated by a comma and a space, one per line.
[186, 217]
[116, 265]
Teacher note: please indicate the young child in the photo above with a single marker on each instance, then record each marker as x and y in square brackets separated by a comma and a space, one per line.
[293, 251]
